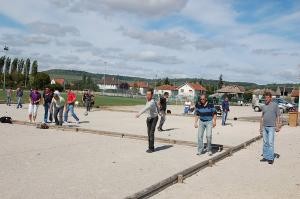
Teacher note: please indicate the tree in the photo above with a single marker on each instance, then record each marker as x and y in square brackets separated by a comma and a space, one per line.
[2, 62]
[40, 80]
[124, 86]
[21, 66]
[26, 70]
[220, 83]
[166, 81]
[14, 66]
[7, 65]
[34, 68]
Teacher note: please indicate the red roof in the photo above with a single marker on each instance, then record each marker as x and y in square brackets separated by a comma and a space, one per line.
[167, 87]
[295, 93]
[197, 87]
[60, 81]
[139, 84]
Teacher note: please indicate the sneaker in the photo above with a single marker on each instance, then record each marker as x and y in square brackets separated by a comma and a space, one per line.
[270, 161]
[150, 150]
[77, 122]
[65, 122]
[210, 153]
[263, 160]
[200, 153]
[159, 129]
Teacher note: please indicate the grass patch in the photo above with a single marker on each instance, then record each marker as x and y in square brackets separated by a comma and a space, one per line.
[99, 100]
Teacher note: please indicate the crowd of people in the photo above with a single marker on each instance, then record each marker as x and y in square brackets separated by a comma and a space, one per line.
[56, 107]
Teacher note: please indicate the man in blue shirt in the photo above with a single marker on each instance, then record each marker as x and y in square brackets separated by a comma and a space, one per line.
[225, 108]
[207, 114]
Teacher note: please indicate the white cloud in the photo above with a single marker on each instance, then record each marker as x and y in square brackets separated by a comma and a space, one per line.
[151, 56]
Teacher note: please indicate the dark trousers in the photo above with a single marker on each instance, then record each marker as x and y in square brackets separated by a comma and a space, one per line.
[151, 124]
[58, 112]
[162, 118]
[88, 105]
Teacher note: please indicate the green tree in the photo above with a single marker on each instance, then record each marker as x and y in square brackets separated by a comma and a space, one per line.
[26, 71]
[221, 82]
[167, 81]
[34, 68]
[21, 66]
[40, 80]
[2, 62]
[14, 66]
[7, 65]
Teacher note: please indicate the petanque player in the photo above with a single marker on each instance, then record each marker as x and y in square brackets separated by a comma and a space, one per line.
[207, 116]
[71, 98]
[225, 108]
[19, 96]
[47, 98]
[270, 122]
[58, 104]
[162, 104]
[152, 118]
[34, 101]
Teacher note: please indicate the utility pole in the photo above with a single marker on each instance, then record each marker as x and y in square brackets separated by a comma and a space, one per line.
[6, 51]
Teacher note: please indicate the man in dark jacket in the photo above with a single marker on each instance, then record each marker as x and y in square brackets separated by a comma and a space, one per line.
[162, 104]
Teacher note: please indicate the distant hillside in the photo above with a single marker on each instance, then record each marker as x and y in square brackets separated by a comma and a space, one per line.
[75, 75]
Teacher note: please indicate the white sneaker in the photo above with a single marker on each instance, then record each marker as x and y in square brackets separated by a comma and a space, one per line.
[210, 153]
[65, 122]
[77, 122]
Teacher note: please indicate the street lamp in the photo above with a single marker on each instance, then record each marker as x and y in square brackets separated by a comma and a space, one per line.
[104, 78]
[5, 50]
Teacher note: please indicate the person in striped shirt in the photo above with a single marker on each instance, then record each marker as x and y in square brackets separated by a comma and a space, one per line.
[207, 116]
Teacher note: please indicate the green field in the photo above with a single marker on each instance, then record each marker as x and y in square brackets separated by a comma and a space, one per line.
[99, 100]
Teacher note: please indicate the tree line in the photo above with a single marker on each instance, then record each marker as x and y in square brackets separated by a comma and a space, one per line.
[21, 73]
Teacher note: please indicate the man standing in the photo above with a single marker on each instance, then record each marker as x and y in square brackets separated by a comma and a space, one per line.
[19, 95]
[270, 122]
[47, 97]
[152, 118]
[207, 114]
[58, 102]
[162, 104]
[87, 100]
[71, 98]
[225, 108]
[34, 101]
[8, 96]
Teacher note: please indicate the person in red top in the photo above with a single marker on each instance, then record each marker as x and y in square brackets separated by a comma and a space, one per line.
[71, 98]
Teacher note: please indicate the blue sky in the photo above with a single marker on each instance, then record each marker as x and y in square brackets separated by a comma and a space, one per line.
[165, 38]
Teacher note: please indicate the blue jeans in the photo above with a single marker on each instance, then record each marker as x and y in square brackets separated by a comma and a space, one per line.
[202, 127]
[224, 117]
[47, 107]
[268, 145]
[19, 102]
[8, 100]
[70, 107]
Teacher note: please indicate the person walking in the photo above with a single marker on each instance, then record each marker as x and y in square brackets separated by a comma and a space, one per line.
[162, 104]
[225, 108]
[34, 101]
[270, 122]
[47, 98]
[19, 96]
[87, 100]
[206, 113]
[8, 96]
[152, 118]
[71, 98]
[58, 104]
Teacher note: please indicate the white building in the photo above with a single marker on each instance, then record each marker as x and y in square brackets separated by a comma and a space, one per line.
[109, 83]
[141, 86]
[191, 90]
[172, 90]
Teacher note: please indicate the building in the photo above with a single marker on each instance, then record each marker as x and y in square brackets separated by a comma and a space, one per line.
[191, 90]
[232, 91]
[283, 91]
[141, 86]
[60, 81]
[172, 90]
[108, 83]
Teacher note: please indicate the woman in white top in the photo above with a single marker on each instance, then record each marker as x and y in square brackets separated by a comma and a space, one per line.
[59, 104]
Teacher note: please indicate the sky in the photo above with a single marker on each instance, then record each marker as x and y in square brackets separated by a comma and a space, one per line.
[244, 40]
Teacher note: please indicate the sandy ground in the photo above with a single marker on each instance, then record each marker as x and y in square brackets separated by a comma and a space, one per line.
[38, 163]
[179, 127]
[243, 176]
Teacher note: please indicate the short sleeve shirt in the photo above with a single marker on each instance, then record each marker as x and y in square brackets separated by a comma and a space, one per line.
[270, 112]
[205, 113]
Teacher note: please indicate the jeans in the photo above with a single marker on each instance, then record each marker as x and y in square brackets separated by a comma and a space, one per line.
[151, 124]
[58, 111]
[8, 100]
[87, 105]
[19, 102]
[268, 142]
[207, 125]
[70, 107]
[162, 119]
[47, 107]
[224, 117]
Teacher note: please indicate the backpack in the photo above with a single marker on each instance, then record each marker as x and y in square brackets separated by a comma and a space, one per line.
[6, 120]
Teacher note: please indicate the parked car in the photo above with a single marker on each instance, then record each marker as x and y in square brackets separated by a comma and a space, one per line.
[282, 102]
[257, 105]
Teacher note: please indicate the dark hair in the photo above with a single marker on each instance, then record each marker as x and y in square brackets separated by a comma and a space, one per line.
[150, 90]
[166, 93]
[269, 94]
